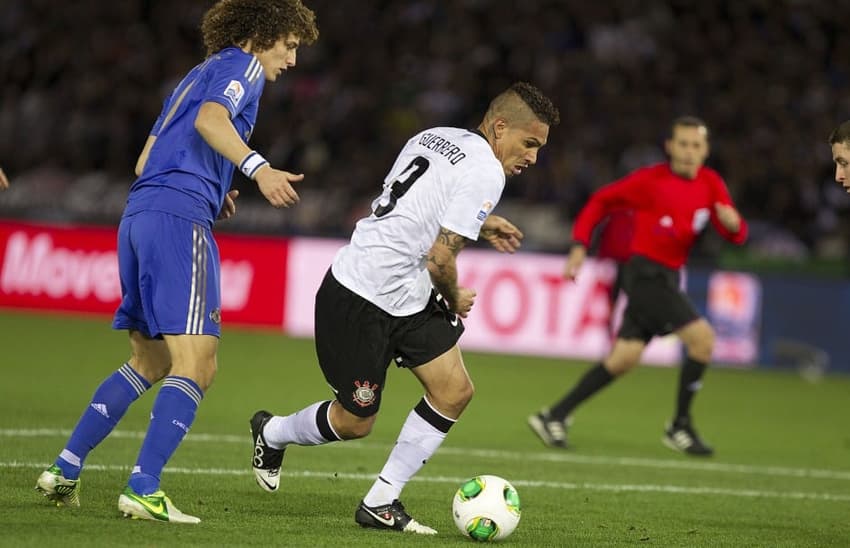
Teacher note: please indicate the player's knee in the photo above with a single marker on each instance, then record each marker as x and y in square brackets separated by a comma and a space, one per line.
[353, 427]
[205, 374]
[621, 365]
[624, 356]
[452, 400]
[210, 374]
[701, 346]
[464, 394]
[153, 370]
[149, 357]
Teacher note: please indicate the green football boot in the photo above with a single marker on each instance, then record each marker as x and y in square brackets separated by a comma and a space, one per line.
[156, 506]
[57, 488]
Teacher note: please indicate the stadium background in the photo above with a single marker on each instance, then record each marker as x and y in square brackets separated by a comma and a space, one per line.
[83, 81]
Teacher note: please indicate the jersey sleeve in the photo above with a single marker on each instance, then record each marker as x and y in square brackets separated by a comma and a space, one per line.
[233, 83]
[721, 195]
[630, 192]
[472, 203]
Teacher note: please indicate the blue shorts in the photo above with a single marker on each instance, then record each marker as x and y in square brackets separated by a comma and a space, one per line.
[170, 281]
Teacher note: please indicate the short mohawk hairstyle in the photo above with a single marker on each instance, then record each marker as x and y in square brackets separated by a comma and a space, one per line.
[539, 104]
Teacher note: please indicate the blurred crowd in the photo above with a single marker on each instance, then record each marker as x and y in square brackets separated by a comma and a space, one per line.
[82, 83]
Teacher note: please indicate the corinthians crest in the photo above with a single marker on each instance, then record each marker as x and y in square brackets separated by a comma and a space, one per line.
[364, 393]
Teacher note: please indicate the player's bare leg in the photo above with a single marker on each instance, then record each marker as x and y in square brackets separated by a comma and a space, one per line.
[448, 390]
[193, 367]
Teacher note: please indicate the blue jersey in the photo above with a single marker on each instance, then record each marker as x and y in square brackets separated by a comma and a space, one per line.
[184, 175]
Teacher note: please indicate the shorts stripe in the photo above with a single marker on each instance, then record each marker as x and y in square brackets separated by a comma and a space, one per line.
[202, 312]
[197, 293]
[193, 288]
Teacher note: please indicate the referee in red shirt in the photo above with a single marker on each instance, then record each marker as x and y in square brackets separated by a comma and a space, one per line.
[672, 203]
[614, 243]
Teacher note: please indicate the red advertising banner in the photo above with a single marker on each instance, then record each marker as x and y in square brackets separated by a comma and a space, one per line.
[75, 269]
[523, 305]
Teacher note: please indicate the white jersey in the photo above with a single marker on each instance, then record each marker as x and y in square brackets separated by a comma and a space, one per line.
[443, 177]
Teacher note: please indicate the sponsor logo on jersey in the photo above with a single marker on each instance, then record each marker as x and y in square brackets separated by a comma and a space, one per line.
[364, 393]
[486, 207]
[234, 92]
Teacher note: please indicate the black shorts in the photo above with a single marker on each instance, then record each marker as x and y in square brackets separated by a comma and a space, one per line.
[356, 340]
[656, 306]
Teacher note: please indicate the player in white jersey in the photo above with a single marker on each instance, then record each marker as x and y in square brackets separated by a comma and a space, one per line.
[449, 178]
[392, 295]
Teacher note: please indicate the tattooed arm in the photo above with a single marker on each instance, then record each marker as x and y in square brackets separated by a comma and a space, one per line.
[442, 265]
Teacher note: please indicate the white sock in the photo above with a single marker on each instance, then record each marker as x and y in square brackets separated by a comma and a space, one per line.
[301, 428]
[417, 441]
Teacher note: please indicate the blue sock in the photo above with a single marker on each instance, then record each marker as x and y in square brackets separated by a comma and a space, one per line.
[108, 405]
[171, 417]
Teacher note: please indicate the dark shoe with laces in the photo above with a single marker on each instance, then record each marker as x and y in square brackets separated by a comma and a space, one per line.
[551, 432]
[390, 516]
[267, 460]
[680, 435]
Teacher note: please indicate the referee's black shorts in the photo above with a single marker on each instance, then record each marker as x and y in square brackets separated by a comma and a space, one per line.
[356, 341]
[656, 305]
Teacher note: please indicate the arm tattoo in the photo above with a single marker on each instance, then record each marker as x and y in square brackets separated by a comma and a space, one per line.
[453, 241]
[442, 266]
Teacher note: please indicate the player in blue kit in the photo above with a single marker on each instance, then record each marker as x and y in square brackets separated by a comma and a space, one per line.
[168, 259]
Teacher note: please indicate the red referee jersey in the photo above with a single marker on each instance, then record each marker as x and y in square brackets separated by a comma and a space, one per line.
[615, 236]
[669, 211]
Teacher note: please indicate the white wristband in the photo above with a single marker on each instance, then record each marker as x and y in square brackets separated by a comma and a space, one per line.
[251, 163]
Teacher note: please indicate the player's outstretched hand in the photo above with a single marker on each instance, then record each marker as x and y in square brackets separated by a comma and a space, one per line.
[501, 234]
[276, 186]
[728, 216]
[228, 209]
[465, 300]
[574, 262]
[4, 181]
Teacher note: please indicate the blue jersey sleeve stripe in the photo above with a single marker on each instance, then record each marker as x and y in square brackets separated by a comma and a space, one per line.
[255, 74]
[251, 66]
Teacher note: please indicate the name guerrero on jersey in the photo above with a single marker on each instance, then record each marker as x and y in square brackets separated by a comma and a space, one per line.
[443, 177]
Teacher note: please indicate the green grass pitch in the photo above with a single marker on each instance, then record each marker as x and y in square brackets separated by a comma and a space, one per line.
[781, 476]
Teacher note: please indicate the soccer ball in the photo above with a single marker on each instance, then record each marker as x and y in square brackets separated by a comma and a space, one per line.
[486, 508]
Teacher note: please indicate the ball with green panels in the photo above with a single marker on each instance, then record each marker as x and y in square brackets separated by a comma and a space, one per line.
[486, 508]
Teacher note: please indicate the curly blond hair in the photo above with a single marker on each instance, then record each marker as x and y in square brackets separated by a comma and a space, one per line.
[264, 22]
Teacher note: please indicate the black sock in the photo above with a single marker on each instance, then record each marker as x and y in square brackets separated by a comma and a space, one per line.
[689, 383]
[592, 382]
